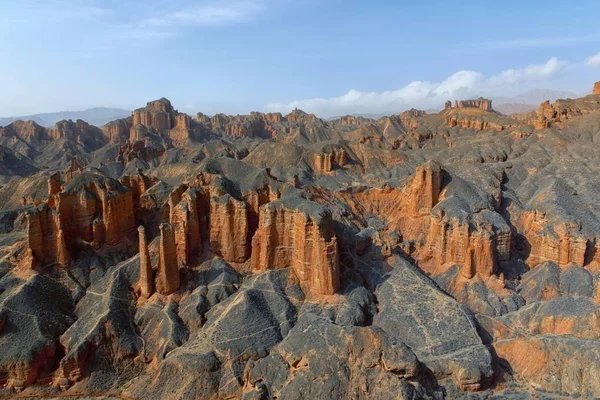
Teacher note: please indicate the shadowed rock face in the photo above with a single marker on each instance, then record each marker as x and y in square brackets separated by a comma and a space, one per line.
[265, 256]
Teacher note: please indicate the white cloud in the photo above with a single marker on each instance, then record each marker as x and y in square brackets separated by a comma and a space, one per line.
[159, 21]
[544, 71]
[593, 61]
[462, 84]
[208, 14]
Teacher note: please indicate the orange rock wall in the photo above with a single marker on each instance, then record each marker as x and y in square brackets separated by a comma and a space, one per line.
[290, 238]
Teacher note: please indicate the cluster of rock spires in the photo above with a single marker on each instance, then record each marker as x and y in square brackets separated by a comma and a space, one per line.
[268, 256]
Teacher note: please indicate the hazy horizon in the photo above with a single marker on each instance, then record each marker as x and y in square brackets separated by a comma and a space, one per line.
[325, 57]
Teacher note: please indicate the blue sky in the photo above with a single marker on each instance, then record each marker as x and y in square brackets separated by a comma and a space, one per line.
[327, 56]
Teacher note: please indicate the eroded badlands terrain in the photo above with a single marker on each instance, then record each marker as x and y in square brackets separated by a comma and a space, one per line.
[269, 256]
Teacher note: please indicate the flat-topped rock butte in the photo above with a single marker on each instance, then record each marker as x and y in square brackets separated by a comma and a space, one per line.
[270, 256]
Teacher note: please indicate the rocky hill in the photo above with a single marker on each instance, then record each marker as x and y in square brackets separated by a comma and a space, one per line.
[269, 256]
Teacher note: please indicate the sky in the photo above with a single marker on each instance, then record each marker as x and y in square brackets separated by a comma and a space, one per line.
[329, 57]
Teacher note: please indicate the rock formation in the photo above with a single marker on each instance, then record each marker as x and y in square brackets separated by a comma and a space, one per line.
[146, 274]
[117, 131]
[481, 103]
[185, 218]
[596, 89]
[157, 115]
[167, 277]
[425, 188]
[229, 228]
[298, 234]
[90, 208]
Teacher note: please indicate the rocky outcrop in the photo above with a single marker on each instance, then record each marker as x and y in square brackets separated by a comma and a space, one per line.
[330, 158]
[146, 282]
[425, 188]
[562, 243]
[229, 228]
[481, 103]
[596, 89]
[138, 185]
[454, 242]
[45, 238]
[410, 118]
[468, 122]
[563, 110]
[140, 150]
[28, 131]
[79, 131]
[167, 277]
[73, 170]
[297, 233]
[186, 211]
[244, 126]
[118, 131]
[182, 131]
[158, 115]
[91, 208]
[434, 326]
[299, 116]
[352, 120]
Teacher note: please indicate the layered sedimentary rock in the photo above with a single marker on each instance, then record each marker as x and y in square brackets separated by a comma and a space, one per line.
[185, 218]
[410, 118]
[467, 122]
[29, 131]
[79, 131]
[563, 110]
[299, 116]
[138, 185]
[239, 126]
[425, 188]
[74, 169]
[481, 103]
[563, 243]
[157, 115]
[146, 282]
[229, 228]
[352, 120]
[117, 131]
[296, 233]
[140, 150]
[454, 242]
[167, 276]
[181, 132]
[90, 208]
[329, 159]
[46, 238]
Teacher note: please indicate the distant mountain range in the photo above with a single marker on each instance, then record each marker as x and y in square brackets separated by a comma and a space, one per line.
[99, 116]
[96, 116]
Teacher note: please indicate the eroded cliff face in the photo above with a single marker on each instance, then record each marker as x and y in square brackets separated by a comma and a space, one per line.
[329, 159]
[117, 131]
[229, 228]
[298, 234]
[91, 209]
[564, 110]
[79, 131]
[436, 240]
[562, 243]
[157, 115]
